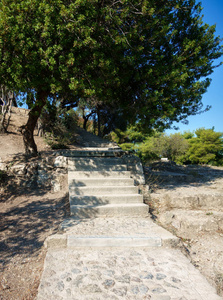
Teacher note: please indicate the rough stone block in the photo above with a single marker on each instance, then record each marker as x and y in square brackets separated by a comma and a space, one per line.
[60, 162]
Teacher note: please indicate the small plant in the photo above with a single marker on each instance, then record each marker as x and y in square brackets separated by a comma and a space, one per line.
[59, 142]
[209, 214]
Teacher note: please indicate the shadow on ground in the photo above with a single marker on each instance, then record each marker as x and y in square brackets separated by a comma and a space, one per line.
[26, 220]
[169, 175]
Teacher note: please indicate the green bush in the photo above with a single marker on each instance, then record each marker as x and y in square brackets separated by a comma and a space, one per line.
[127, 146]
[205, 148]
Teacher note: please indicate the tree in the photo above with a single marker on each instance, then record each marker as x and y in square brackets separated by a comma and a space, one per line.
[159, 145]
[205, 147]
[146, 58]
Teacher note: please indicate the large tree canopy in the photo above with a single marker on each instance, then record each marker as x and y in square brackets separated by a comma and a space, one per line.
[147, 59]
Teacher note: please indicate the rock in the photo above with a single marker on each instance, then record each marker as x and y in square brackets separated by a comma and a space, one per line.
[164, 159]
[143, 289]
[91, 288]
[60, 162]
[146, 275]
[19, 169]
[76, 271]
[108, 283]
[123, 279]
[3, 166]
[160, 276]
[109, 273]
[58, 182]
[60, 286]
[159, 290]
[135, 289]
[120, 291]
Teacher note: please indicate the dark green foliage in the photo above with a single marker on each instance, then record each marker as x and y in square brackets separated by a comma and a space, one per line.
[206, 147]
[147, 60]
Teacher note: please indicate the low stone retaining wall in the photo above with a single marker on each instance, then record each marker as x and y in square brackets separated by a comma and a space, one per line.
[52, 171]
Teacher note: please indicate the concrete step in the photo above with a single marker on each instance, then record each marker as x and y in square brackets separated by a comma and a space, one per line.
[103, 190]
[103, 241]
[109, 210]
[92, 152]
[96, 163]
[110, 232]
[101, 182]
[105, 199]
[94, 160]
[99, 168]
[97, 174]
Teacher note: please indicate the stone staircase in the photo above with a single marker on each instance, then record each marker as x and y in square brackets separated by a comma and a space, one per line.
[102, 187]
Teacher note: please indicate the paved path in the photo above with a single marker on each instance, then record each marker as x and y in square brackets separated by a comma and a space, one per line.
[160, 274]
[90, 273]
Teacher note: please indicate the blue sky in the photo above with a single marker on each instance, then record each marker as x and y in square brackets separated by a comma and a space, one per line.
[213, 14]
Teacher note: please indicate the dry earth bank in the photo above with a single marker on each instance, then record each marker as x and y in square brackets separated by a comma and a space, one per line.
[188, 201]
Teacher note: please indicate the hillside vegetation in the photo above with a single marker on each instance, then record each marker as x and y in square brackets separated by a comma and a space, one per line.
[204, 146]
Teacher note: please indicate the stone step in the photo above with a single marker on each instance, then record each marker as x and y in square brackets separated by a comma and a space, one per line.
[101, 182]
[99, 168]
[105, 199]
[201, 201]
[109, 210]
[110, 232]
[97, 174]
[103, 190]
[103, 241]
[92, 152]
[94, 161]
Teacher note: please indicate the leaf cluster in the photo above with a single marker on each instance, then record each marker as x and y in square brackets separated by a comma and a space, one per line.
[148, 59]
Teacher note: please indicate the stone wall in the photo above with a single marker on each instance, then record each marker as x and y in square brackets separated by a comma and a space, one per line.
[52, 171]
[36, 172]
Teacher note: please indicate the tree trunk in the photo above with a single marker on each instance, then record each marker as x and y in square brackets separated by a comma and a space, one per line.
[28, 129]
[86, 118]
[9, 114]
[14, 100]
[99, 122]
[5, 106]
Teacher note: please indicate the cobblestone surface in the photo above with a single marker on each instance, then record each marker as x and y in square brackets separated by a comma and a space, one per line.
[132, 273]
